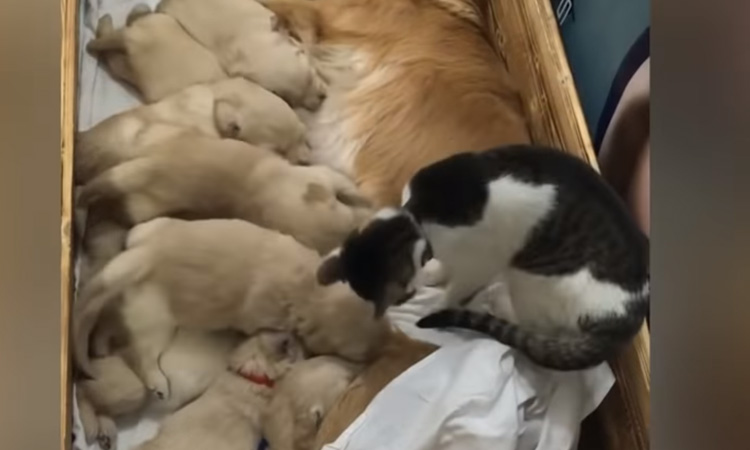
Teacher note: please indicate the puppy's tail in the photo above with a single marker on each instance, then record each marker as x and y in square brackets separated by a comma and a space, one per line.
[112, 183]
[125, 270]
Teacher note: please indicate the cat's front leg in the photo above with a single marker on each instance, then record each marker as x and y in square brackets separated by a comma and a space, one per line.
[433, 274]
[460, 292]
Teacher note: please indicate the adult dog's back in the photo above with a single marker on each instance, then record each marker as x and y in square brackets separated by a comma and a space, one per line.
[424, 83]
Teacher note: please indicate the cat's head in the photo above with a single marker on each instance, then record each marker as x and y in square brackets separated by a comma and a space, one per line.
[268, 353]
[381, 261]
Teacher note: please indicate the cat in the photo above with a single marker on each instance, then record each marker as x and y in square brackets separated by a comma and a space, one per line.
[574, 261]
[228, 416]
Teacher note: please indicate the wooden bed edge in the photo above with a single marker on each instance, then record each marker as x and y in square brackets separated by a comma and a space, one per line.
[68, 71]
[527, 36]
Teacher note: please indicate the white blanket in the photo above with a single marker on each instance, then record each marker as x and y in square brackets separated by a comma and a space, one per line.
[473, 393]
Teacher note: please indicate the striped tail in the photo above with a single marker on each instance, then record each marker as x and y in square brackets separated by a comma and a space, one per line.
[559, 351]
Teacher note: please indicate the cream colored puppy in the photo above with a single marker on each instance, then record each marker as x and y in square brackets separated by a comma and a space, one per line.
[232, 108]
[115, 390]
[201, 177]
[302, 399]
[153, 54]
[221, 274]
[190, 363]
[228, 415]
[243, 35]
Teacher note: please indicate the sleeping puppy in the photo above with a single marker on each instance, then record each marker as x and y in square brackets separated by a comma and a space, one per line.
[231, 108]
[115, 391]
[201, 177]
[302, 399]
[216, 275]
[243, 36]
[228, 415]
[190, 363]
[153, 54]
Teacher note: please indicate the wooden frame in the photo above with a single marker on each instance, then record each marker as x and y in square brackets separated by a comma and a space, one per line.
[526, 37]
[69, 78]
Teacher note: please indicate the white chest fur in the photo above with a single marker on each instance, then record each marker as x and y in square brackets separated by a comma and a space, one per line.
[335, 133]
[473, 255]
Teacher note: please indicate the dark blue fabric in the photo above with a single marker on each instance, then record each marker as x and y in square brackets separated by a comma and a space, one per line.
[638, 53]
[263, 444]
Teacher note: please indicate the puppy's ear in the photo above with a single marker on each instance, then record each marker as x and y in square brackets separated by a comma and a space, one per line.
[226, 120]
[331, 270]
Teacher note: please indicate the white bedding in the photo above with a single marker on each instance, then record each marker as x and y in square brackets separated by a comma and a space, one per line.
[473, 393]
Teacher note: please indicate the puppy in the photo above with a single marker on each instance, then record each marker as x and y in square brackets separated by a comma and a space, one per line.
[228, 415]
[190, 363]
[302, 399]
[201, 177]
[243, 35]
[153, 54]
[115, 391]
[215, 275]
[232, 108]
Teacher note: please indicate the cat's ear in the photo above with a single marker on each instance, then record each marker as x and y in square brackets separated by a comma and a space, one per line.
[331, 270]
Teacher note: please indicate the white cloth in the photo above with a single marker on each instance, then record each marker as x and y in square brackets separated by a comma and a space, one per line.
[474, 393]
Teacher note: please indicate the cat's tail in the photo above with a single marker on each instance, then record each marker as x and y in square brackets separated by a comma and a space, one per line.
[126, 269]
[559, 351]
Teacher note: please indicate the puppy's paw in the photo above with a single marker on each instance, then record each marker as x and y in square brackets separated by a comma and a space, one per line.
[107, 436]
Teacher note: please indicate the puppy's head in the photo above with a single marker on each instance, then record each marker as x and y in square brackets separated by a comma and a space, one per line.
[272, 353]
[381, 261]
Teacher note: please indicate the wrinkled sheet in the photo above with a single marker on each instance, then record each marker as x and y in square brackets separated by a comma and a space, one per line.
[474, 393]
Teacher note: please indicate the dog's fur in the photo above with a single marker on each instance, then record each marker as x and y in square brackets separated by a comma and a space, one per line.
[191, 362]
[302, 399]
[232, 108]
[153, 54]
[201, 177]
[221, 274]
[410, 82]
[228, 415]
[243, 36]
